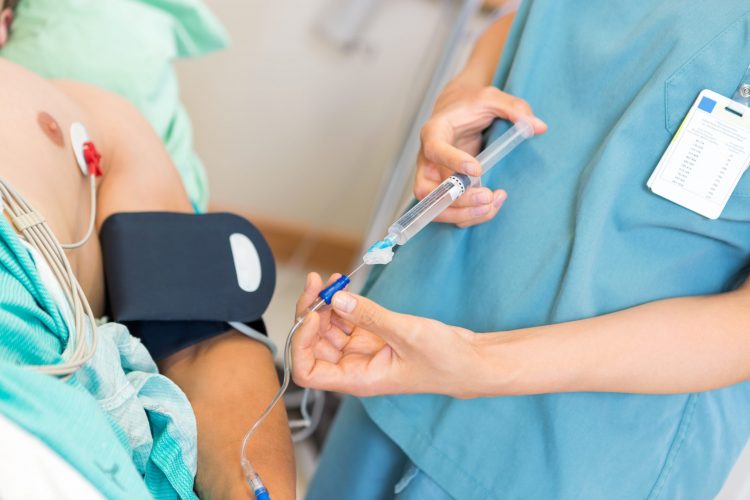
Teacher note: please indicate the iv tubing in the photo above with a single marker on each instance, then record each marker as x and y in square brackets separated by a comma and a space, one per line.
[252, 477]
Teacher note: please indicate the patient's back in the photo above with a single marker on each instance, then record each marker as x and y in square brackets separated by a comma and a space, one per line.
[37, 159]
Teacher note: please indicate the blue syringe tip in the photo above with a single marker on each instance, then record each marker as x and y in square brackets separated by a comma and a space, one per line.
[262, 494]
[328, 292]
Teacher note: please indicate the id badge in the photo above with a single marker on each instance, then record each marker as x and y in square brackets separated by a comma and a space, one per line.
[707, 156]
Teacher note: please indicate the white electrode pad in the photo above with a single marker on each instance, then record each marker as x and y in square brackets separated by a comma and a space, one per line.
[707, 156]
[78, 137]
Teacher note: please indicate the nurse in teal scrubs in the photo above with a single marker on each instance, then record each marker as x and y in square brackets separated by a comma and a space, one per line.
[590, 339]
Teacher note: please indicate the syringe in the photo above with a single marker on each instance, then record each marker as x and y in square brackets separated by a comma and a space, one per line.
[456, 185]
[399, 233]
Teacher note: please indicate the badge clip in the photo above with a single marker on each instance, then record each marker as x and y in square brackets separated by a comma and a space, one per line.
[742, 94]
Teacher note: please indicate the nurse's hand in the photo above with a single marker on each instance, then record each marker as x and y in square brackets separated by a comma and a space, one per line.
[360, 348]
[451, 139]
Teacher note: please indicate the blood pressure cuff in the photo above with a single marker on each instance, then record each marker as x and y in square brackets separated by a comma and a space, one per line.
[175, 279]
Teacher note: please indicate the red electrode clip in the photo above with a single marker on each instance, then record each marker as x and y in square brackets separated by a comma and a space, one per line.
[93, 159]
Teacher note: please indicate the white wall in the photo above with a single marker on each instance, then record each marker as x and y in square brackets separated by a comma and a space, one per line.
[292, 128]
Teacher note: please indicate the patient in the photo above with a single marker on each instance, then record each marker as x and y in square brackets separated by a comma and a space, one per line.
[228, 378]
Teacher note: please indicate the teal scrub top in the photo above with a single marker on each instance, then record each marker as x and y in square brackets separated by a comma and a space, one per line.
[579, 236]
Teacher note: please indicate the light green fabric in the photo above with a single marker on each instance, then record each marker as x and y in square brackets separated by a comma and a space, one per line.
[127, 47]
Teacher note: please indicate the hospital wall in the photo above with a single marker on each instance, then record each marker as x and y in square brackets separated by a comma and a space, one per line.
[297, 132]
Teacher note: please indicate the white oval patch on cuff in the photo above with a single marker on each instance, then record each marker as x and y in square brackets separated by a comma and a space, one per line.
[246, 262]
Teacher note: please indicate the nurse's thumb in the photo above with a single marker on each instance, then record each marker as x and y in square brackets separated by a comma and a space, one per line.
[368, 315]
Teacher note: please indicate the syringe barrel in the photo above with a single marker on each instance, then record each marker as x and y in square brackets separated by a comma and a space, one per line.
[502, 146]
[456, 185]
[430, 207]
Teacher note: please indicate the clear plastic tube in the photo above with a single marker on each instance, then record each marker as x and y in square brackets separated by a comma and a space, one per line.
[251, 476]
[456, 185]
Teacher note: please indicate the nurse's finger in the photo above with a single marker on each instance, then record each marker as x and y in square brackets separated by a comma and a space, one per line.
[333, 278]
[345, 327]
[392, 327]
[313, 285]
[437, 138]
[499, 198]
[324, 375]
[365, 344]
[510, 107]
[462, 215]
[424, 186]
[429, 175]
[325, 350]
[429, 170]
[474, 197]
[303, 357]
[336, 337]
[469, 216]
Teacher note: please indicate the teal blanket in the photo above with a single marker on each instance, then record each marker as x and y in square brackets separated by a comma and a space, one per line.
[128, 430]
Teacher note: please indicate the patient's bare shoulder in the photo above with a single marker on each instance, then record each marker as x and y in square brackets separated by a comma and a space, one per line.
[110, 115]
[138, 172]
[96, 99]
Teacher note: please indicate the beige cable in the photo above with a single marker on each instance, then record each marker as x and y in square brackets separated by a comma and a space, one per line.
[92, 218]
[33, 228]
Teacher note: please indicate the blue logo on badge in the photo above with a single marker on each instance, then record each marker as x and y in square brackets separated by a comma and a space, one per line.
[707, 104]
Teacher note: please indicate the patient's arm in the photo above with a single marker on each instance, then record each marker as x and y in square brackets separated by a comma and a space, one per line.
[229, 379]
[237, 380]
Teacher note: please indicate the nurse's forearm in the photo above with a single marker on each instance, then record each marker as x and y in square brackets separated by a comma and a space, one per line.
[671, 346]
[480, 68]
